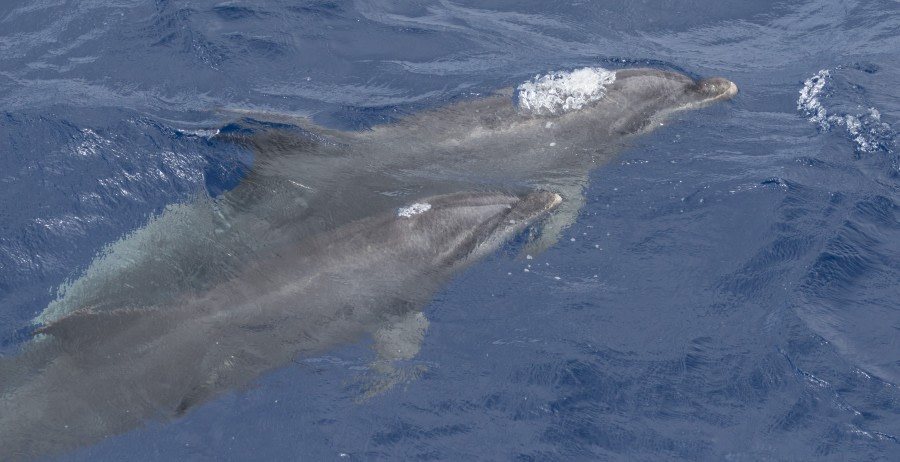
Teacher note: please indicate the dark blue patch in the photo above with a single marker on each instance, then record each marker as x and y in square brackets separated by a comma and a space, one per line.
[10, 342]
[225, 169]
[234, 12]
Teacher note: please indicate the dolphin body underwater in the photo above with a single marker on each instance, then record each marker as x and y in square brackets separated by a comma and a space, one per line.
[202, 294]
[102, 373]
[307, 179]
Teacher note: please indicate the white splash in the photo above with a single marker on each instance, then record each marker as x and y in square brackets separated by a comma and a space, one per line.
[564, 91]
[867, 130]
[200, 133]
[809, 99]
[415, 209]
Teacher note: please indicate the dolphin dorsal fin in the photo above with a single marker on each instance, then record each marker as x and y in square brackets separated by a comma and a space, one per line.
[275, 137]
[289, 138]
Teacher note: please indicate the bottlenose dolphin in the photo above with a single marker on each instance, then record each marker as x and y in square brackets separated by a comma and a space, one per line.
[545, 134]
[154, 303]
[98, 372]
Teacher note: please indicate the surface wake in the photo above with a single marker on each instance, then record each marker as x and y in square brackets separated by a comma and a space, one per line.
[866, 129]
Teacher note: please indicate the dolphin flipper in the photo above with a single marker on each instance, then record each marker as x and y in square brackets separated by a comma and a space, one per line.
[402, 338]
[394, 342]
[555, 224]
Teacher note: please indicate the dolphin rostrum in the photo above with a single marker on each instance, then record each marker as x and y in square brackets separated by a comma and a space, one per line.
[548, 134]
[98, 372]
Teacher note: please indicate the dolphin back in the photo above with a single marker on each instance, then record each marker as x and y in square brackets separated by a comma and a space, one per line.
[95, 373]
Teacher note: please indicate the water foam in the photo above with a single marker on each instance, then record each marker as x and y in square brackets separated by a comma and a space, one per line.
[561, 92]
[867, 130]
[414, 209]
[809, 103]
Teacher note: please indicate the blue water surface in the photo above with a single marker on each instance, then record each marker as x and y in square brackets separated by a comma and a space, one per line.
[729, 291]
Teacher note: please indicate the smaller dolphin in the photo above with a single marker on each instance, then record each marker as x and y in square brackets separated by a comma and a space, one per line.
[96, 373]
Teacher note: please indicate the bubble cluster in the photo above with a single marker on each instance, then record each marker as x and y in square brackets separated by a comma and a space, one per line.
[564, 91]
[866, 129]
[414, 209]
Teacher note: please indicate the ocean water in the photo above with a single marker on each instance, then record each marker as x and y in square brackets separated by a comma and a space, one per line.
[728, 292]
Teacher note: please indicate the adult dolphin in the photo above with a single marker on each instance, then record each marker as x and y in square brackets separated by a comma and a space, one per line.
[547, 134]
[95, 373]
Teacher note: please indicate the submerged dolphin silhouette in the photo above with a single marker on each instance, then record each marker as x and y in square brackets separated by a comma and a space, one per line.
[308, 179]
[101, 372]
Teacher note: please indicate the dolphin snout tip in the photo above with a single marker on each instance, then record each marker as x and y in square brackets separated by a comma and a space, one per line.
[551, 200]
[542, 201]
[555, 199]
[723, 89]
[730, 91]
[717, 89]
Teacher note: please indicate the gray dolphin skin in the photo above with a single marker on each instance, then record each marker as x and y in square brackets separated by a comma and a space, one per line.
[486, 141]
[211, 293]
[105, 372]
[307, 179]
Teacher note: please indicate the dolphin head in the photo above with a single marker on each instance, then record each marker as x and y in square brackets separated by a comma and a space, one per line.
[644, 97]
[457, 227]
[712, 90]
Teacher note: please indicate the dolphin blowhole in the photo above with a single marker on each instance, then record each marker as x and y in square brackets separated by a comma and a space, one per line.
[413, 209]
